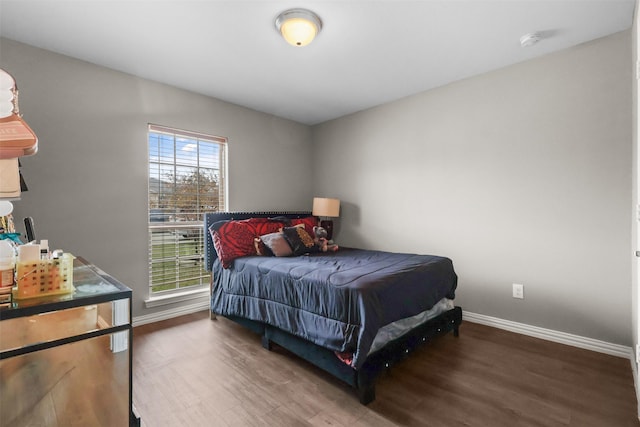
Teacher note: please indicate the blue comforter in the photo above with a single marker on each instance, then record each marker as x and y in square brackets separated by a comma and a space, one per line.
[336, 300]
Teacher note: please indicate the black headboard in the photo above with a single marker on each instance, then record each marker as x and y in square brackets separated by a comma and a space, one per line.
[209, 218]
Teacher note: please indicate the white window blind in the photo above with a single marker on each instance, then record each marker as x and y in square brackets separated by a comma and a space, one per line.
[187, 177]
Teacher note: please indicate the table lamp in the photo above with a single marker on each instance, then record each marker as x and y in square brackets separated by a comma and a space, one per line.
[327, 208]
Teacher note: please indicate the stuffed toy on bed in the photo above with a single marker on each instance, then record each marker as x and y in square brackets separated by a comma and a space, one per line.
[321, 240]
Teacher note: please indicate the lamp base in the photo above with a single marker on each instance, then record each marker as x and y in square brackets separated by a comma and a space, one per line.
[327, 224]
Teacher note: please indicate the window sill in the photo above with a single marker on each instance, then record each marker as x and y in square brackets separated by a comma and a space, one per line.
[175, 297]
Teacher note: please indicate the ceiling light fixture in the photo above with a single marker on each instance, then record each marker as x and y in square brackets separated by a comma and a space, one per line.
[298, 26]
[529, 39]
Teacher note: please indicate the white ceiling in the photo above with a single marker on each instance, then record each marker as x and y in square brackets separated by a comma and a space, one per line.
[368, 53]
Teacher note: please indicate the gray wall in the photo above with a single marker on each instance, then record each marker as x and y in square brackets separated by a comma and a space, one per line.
[635, 36]
[519, 175]
[88, 181]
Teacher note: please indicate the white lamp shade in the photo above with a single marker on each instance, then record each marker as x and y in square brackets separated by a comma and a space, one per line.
[326, 207]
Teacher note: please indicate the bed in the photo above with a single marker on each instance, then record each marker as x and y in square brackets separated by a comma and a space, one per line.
[353, 313]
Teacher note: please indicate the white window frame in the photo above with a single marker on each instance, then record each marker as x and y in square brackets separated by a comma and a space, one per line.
[176, 241]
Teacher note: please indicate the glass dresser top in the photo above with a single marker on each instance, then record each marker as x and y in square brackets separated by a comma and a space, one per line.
[91, 286]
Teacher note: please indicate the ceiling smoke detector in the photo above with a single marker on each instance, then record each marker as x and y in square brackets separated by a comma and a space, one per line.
[529, 39]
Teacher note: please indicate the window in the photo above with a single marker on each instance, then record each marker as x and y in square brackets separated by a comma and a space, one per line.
[187, 177]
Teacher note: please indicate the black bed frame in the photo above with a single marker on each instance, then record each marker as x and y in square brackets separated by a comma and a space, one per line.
[363, 379]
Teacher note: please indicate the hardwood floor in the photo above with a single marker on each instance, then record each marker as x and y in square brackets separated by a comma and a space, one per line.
[191, 371]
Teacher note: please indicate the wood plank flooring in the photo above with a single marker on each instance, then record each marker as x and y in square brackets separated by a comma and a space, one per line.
[191, 371]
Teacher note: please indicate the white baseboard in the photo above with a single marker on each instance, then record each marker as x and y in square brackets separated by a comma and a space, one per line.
[551, 335]
[170, 313]
[634, 369]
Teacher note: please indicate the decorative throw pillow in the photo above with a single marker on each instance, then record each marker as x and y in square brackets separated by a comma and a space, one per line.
[283, 219]
[216, 225]
[309, 222]
[262, 226]
[261, 248]
[300, 241]
[235, 239]
[277, 244]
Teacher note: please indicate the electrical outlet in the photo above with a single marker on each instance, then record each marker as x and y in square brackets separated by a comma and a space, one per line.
[518, 291]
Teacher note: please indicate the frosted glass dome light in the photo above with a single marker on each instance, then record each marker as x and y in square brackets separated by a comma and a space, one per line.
[298, 26]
